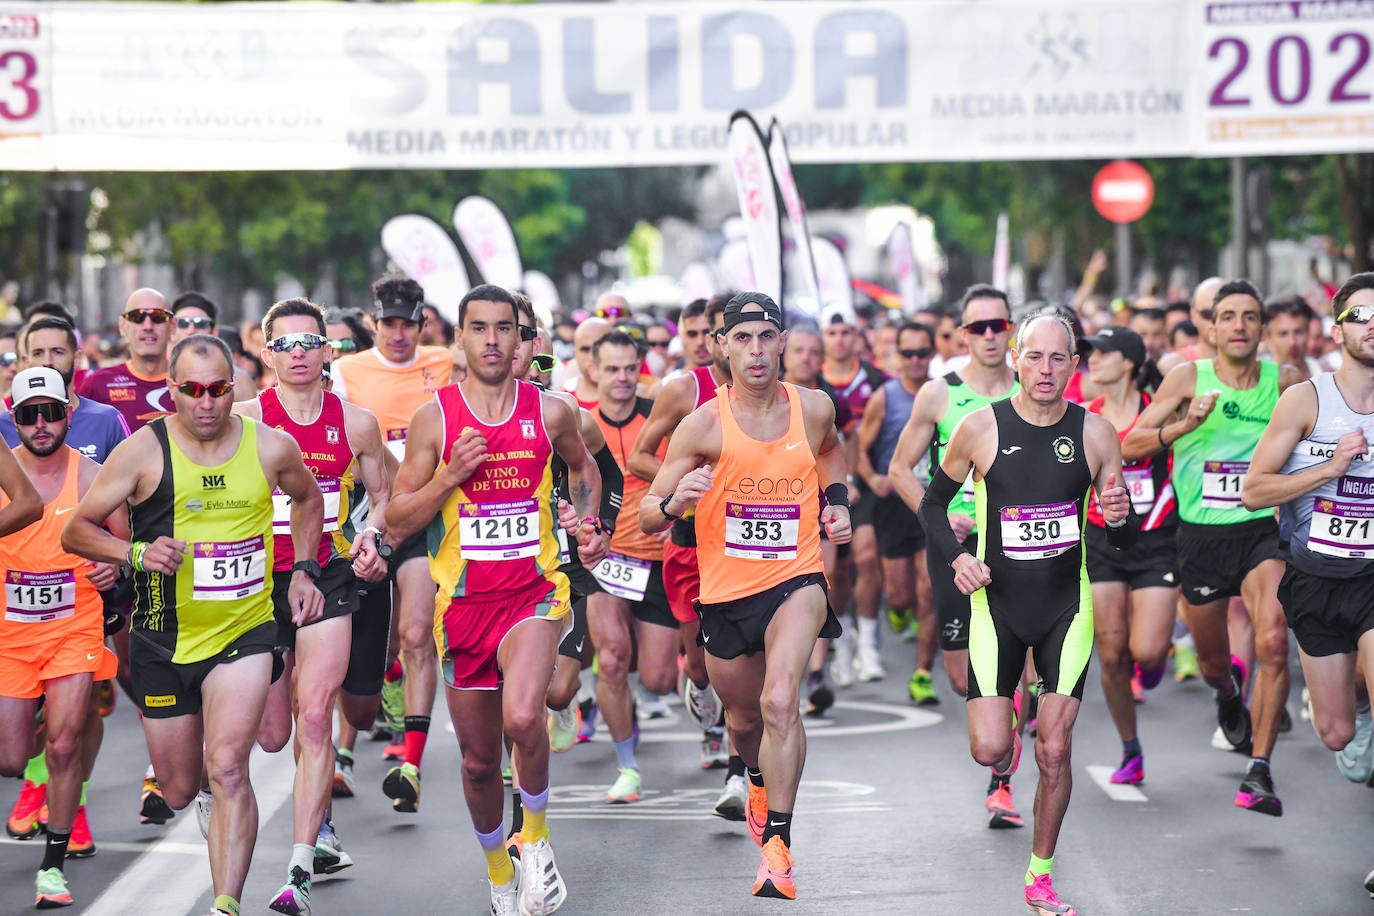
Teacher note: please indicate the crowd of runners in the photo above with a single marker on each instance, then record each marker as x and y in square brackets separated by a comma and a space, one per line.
[287, 533]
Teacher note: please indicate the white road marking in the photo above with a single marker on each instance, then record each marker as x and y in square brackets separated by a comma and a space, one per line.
[163, 846]
[1103, 777]
[161, 873]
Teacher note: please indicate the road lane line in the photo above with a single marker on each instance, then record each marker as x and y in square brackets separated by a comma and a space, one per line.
[1103, 777]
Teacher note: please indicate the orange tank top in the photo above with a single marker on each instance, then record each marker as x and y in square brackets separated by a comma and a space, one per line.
[46, 589]
[759, 525]
[629, 539]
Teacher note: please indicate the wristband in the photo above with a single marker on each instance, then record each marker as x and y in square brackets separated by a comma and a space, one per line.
[1120, 524]
[1162, 443]
[135, 555]
[663, 507]
[837, 494]
[376, 532]
[595, 522]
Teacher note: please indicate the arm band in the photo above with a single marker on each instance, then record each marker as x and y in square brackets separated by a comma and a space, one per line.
[934, 514]
[612, 487]
[837, 494]
[135, 556]
[1124, 535]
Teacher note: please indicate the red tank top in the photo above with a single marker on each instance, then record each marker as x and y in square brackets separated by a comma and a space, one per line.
[706, 385]
[325, 449]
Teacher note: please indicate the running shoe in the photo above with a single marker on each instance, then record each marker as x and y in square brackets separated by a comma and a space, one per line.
[513, 845]
[1042, 900]
[105, 698]
[396, 751]
[51, 890]
[898, 619]
[343, 776]
[394, 706]
[81, 845]
[757, 813]
[294, 896]
[1285, 721]
[1002, 813]
[507, 776]
[1369, 883]
[23, 819]
[1185, 662]
[563, 726]
[1150, 677]
[701, 703]
[587, 729]
[153, 809]
[1137, 688]
[1234, 718]
[402, 785]
[204, 803]
[330, 856]
[625, 789]
[869, 666]
[714, 753]
[819, 700]
[542, 890]
[913, 630]
[1356, 759]
[842, 665]
[651, 705]
[1256, 793]
[505, 898]
[1131, 772]
[774, 878]
[733, 799]
[921, 691]
[1015, 756]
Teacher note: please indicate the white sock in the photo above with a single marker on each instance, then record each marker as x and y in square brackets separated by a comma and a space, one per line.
[868, 632]
[302, 855]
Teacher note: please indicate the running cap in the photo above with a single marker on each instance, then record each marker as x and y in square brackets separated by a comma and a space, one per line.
[1118, 339]
[767, 310]
[395, 306]
[38, 382]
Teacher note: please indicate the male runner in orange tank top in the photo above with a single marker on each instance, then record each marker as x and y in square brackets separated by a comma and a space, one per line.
[753, 464]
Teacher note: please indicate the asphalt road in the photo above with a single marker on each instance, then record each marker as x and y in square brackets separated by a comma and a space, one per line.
[890, 820]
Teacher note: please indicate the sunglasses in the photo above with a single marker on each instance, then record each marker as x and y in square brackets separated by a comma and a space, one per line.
[1207, 314]
[288, 342]
[1360, 314]
[660, 344]
[918, 353]
[28, 414]
[198, 390]
[544, 362]
[611, 311]
[8, 359]
[528, 333]
[200, 324]
[138, 316]
[344, 345]
[995, 325]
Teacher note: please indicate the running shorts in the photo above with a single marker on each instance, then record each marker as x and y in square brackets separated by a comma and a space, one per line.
[1151, 563]
[1213, 560]
[165, 689]
[469, 631]
[1327, 616]
[897, 528]
[736, 628]
[339, 587]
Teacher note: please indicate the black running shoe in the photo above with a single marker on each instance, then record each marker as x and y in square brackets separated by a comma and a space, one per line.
[821, 699]
[1234, 720]
[1256, 793]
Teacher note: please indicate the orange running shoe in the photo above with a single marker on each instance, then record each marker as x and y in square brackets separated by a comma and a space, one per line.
[105, 697]
[24, 819]
[757, 812]
[774, 878]
[1002, 812]
[80, 846]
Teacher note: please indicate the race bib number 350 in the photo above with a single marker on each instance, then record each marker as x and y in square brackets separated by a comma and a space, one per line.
[498, 531]
[761, 532]
[1037, 532]
[228, 571]
[37, 597]
[1221, 483]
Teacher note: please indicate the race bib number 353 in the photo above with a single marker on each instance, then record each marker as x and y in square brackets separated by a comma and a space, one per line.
[759, 532]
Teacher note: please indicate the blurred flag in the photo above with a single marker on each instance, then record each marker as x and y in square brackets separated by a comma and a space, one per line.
[758, 204]
[837, 293]
[423, 251]
[488, 238]
[1001, 254]
[902, 253]
[804, 259]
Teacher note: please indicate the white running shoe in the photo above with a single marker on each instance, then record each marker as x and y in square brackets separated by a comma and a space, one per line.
[869, 666]
[563, 726]
[505, 898]
[733, 799]
[542, 890]
[842, 665]
[715, 751]
[204, 803]
[701, 703]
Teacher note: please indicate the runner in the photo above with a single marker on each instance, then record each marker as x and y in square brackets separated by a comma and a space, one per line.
[1225, 549]
[194, 314]
[580, 384]
[339, 442]
[203, 636]
[1134, 594]
[1027, 581]
[754, 465]
[477, 473]
[392, 380]
[939, 407]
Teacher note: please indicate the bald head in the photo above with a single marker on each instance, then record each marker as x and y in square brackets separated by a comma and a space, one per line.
[607, 301]
[146, 299]
[588, 333]
[1205, 292]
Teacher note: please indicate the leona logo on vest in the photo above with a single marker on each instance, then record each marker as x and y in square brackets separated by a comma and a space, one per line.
[527, 429]
[1064, 450]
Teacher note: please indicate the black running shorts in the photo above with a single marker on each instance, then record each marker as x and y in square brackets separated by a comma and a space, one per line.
[736, 628]
[1327, 616]
[1213, 560]
[1151, 563]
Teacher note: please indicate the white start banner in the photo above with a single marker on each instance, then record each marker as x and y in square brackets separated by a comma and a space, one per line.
[143, 86]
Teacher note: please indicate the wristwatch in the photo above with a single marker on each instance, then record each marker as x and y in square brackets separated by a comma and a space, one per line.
[384, 550]
[663, 507]
[310, 567]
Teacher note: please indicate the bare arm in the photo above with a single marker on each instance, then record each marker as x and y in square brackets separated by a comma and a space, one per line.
[1156, 429]
[869, 427]
[420, 486]
[286, 471]
[931, 401]
[1264, 485]
[685, 471]
[370, 455]
[102, 575]
[976, 430]
[830, 469]
[25, 505]
[672, 406]
[116, 483]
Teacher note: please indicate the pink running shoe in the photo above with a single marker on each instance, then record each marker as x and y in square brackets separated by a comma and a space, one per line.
[1131, 772]
[1042, 900]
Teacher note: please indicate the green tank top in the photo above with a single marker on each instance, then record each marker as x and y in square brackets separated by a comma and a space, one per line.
[1211, 461]
[963, 401]
[223, 588]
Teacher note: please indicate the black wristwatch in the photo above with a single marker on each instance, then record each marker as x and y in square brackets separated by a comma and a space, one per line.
[310, 567]
[663, 507]
[384, 550]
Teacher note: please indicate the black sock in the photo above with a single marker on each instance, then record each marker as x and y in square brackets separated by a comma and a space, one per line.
[755, 776]
[417, 724]
[517, 811]
[998, 782]
[1259, 765]
[735, 767]
[780, 826]
[56, 853]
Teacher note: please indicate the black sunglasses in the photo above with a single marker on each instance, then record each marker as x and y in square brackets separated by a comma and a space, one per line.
[200, 324]
[544, 362]
[28, 414]
[138, 316]
[528, 333]
[198, 390]
[660, 344]
[995, 325]
[8, 359]
[918, 353]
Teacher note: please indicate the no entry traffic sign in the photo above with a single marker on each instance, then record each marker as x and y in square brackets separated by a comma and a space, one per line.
[1123, 191]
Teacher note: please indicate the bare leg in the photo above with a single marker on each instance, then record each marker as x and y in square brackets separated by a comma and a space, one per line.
[418, 653]
[1054, 757]
[1260, 589]
[1112, 629]
[322, 649]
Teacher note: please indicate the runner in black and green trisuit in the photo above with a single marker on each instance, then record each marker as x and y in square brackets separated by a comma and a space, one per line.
[1034, 459]
[1224, 549]
[199, 485]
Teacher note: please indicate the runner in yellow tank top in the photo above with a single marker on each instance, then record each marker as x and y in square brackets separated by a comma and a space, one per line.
[200, 484]
[753, 463]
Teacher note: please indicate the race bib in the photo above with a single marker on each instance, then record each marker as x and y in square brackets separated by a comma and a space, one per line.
[1342, 529]
[564, 554]
[281, 508]
[1221, 483]
[966, 490]
[624, 577]
[759, 532]
[396, 443]
[498, 531]
[37, 597]
[1037, 532]
[227, 571]
[1140, 483]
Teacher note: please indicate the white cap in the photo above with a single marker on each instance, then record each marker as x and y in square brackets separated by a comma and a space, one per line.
[38, 382]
